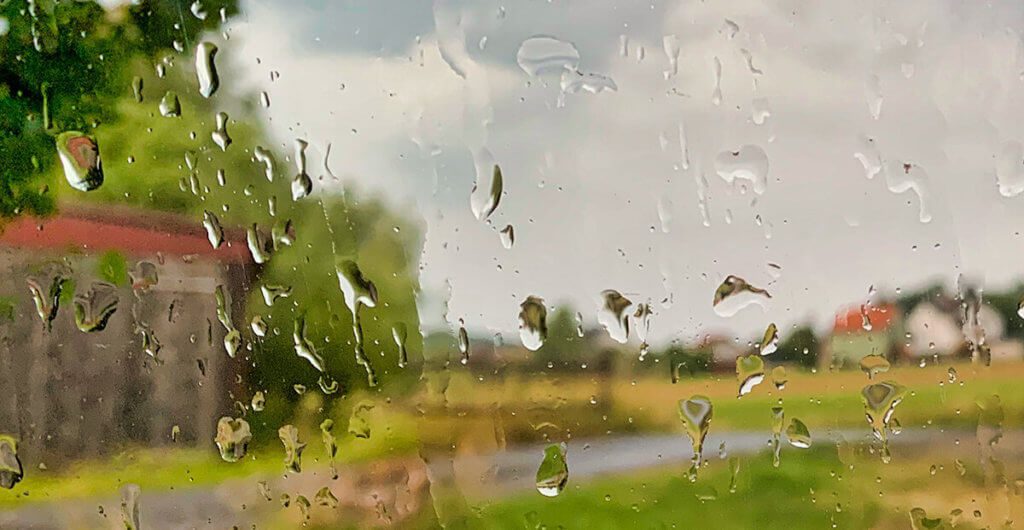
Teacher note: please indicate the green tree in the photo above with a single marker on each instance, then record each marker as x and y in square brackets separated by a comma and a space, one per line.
[799, 346]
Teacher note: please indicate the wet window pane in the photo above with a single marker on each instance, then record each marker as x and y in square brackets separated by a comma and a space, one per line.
[473, 264]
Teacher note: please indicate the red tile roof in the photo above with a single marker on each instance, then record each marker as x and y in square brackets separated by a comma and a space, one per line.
[852, 320]
[132, 231]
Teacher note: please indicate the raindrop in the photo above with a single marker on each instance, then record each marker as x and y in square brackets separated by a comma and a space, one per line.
[613, 315]
[214, 230]
[273, 293]
[695, 414]
[324, 497]
[359, 423]
[508, 237]
[259, 401]
[760, 111]
[232, 342]
[10, 465]
[94, 309]
[642, 316]
[533, 327]
[919, 520]
[170, 106]
[302, 185]
[903, 176]
[206, 69]
[716, 95]
[293, 448]
[259, 326]
[749, 164]
[80, 157]
[486, 192]
[541, 54]
[137, 89]
[233, 437]
[880, 400]
[400, 334]
[798, 435]
[130, 513]
[779, 377]
[749, 373]
[263, 156]
[330, 444]
[734, 294]
[144, 276]
[463, 343]
[553, 472]
[303, 347]
[198, 10]
[874, 364]
[257, 245]
[47, 302]
[1010, 169]
[220, 135]
[778, 420]
[873, 89]
[770, 341]
[670, 43]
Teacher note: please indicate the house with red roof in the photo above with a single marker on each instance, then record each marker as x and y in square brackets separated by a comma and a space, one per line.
[157, 363]
[859, 331]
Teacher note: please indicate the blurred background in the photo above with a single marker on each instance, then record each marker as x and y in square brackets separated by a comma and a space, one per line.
[472, 264]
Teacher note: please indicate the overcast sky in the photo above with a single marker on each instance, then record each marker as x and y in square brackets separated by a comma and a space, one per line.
[409, 92]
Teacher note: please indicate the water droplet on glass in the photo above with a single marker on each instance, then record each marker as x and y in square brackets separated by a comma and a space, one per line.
[463, 343]
[293, 448]
[324, 497]
[359, 422]
[695, 414]
[400, 333]
[94, 309]
[233, 437]
[778, 420]
[273, 293]
[919, 520]
[1010, 169]
[10, 465]
[779, 377]
[47, 301]
[263, 156]
[303, 347]
[508, 237]
[130, 513]
[734, 294]
[137, 89]
[670, 43]
[873, 89]
[214, 230]
[760, 111]
[716, 69]
[553, 472]
[880, 400]
[220, 135]
[170, 106]
[749, 373]
[903, 176]
[302, 185]
[797, 434]
[874, 364]
[330, 444]
[80, 158]
[749, 165]
[257, 244]
[259, 401]
[533, 326]
[770, 341]
[206, 68]
[541, 54]
[613, 315]
[486, 193]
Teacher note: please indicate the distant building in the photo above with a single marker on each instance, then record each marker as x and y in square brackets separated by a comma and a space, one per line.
[861, 331]
[70, 394]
